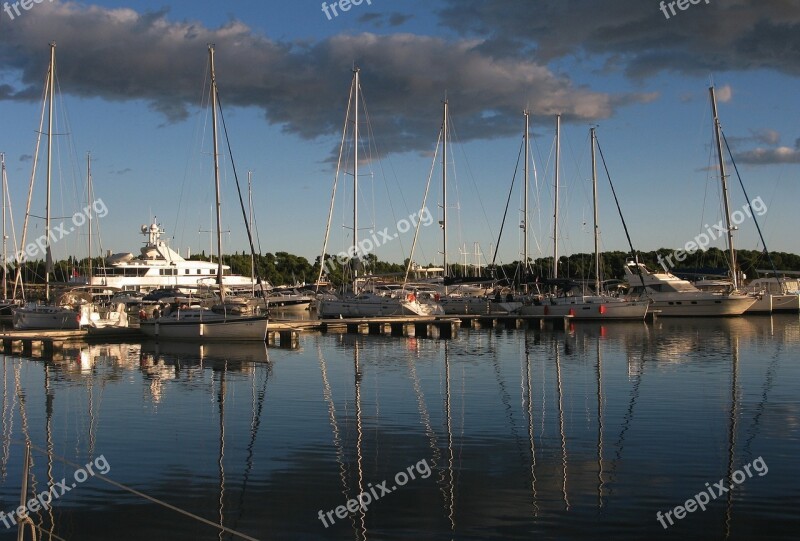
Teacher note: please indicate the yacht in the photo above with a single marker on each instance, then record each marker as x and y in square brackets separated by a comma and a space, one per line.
[673, 296]
[777, 294]
[159, 266]
[288, 300]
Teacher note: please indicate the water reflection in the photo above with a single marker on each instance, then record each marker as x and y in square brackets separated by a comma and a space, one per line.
[613, 423]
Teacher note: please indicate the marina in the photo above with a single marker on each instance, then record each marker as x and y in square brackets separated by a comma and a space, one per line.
[458, 270]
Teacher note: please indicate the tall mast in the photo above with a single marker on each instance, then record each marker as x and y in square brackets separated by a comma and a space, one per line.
[48, 254]
[555, 198]
[216, 171]
[445, 274]
[252, 255]
[355, 176]
[525, 203]
[5, 238]
[89, 209]
[718, 135]
[596, 226]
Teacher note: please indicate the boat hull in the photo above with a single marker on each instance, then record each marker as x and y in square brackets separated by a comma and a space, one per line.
[769, 303]
[702, 306]
[232, 329]
[604, 310]
[462, 306]
[46, 318]
[377, 307]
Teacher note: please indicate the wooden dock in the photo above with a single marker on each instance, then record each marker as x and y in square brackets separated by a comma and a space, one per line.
[286, 333]
[419, 326]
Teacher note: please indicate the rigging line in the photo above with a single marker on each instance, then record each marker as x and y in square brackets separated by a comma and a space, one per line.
[198, 133]
[333, 194]
[508, 202]
[374, 143]
[238, 191]
[424, 202]
[452, 127]
[744, 191]
[145, 496]
[619, 210]
[18, 281]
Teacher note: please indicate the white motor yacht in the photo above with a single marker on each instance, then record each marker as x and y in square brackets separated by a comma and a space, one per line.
[673, 296]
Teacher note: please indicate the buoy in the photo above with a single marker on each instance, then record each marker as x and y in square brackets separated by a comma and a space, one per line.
[602, 309]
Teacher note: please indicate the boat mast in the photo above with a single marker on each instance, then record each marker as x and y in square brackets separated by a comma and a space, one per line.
[726, 202]
[596, 226]
[445, 274]
[48, 254]
[252, 255]
[356, 71]
[89, 209]
[525, 204]
[555, 198]
[216, 172]
[5, 238]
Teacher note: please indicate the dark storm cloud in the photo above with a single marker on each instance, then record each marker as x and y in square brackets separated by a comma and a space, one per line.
[720, 35]
[380, 20]
[120, 55]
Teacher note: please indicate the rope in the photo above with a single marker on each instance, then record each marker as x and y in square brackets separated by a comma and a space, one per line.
[621, 217]
[149, 498]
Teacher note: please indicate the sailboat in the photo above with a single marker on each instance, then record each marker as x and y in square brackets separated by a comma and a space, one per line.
[595, 306]
[772, 294]
[35, 315]
[463, 295]
[359, 301]
[673, 296]
[221, 322]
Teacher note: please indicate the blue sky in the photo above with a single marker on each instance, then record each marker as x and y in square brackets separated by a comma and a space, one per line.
[131, 79]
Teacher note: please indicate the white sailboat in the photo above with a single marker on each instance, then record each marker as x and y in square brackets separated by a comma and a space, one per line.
[37, 315]
[222, 322]
[359, 301]
[768, 297]
[594, 306]
[463, 296]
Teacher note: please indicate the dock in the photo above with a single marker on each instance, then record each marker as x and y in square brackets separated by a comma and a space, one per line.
[285, 333]
[418, 326]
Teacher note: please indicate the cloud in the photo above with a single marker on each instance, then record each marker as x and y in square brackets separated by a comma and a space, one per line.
[724, 93]
[380, 20]
[768, 156]
[123, 55]
[708, 37]
[767, 136]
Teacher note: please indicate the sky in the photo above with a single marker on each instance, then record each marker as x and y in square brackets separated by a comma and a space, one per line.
[132, 90]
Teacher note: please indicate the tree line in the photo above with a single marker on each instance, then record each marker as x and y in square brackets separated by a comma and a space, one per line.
[283, 268]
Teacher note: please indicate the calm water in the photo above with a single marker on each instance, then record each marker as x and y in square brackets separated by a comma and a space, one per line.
[538, 434]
